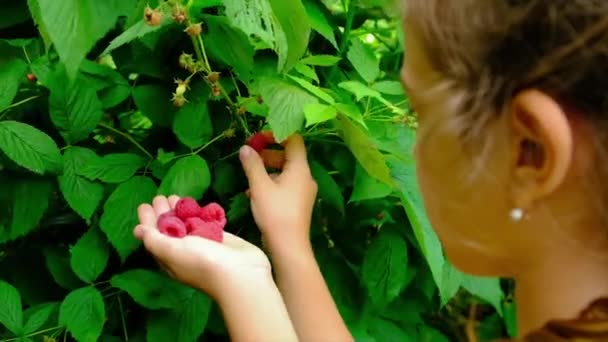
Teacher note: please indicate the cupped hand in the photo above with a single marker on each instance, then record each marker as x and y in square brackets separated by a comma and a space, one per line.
[207, 265]
[282, 203]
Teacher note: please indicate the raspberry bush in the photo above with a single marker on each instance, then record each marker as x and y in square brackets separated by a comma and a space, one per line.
[104, 104]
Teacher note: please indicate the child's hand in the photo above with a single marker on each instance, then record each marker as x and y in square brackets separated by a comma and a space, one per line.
[206, 265]
[282, 203]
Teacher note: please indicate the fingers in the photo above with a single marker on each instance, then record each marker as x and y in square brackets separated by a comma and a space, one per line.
[254, 168]
[173, 199]
[147, 215]
[160, 246]
[160, 205]
[273, 158]
[295, 153]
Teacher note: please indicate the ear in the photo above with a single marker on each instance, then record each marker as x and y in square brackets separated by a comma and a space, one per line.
[542, 146]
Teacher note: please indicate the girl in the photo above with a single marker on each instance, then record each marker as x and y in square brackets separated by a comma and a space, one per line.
[511, 99]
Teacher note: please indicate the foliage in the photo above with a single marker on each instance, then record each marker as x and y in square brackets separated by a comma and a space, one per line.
[104, 104]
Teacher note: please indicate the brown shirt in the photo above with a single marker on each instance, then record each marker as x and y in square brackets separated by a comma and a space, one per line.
[590, 326]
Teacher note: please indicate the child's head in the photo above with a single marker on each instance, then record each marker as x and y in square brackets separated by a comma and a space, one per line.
[512, 98]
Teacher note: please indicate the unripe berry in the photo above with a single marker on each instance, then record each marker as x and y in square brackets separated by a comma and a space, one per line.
[194, 30]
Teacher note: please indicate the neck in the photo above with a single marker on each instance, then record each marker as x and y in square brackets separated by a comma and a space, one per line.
[559, 289]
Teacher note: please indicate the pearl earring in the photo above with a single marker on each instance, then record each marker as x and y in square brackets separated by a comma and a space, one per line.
[516, 214]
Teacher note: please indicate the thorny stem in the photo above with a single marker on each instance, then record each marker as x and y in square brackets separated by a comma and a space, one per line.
[122, 318]
[199, 55]
[32, 334]
[202, 46]
[4, 111]
[208, 144]
[128, 137]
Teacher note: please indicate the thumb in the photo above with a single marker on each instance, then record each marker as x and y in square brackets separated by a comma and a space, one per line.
[253, 165]
[160, 246]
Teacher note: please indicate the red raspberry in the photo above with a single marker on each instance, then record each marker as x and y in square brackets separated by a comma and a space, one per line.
[187, 207]
[259, 141]
[172, 226]
[207, 230]
[31, 77]
[213, 212]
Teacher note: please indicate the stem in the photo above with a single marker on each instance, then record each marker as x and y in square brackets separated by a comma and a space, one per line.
[32, 334]
[128, 137]
[31, 98]
[236, 86]
[122, 318]
[202, 46]
[27, 57]
[350, 17]
[208, 144]
[197, 50]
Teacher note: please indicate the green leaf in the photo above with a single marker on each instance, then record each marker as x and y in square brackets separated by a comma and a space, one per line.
[12, 73]
[239, 207]
[225, 178]
[190, 176]
[186, 322]
[138, 30]
[318, 92]
[307, 71]
[321, 60]
[90, 255]
[75, 110]
[113, 168]
[35, 12]
[81, 194]
[37, 316]
[149, 289]
[316, 113]
[58, 263]
[229, 45]
[319, 22]
[384, 269]
[120, 213]
[360, 90]
[255, 18]
[451, 281]
[364, 150]
[367, 188]
[11, 315]
[29, 147]
[294, 33]
[192, 124]
[403, 171]
[352, 112]
[389, 87]
[155, 102]
[74, 26]
[286, 103]
[488, 289]
[364, 60]
[329, 190]
[31, 200]
[82, 312]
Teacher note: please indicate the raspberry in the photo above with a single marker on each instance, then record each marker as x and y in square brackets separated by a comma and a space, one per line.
[172, 226]
[187, 207]
[31, 77]
[207, 230]
[259, 142]
[194, 30]
[213, 77]
[213, 213]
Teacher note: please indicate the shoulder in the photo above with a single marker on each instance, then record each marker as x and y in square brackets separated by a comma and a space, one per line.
[590, 326]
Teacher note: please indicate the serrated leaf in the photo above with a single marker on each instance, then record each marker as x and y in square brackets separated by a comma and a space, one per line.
[488, 289]
[185, 322]
[384, 269]
[367, 188]
[318, 92]
[451, 280]
[360, 90]
[239, 207]
[58, 263]
[120, 213]
[113, 168]
[138, 30]
[352, 112]
[319, 22]
[150, 289]
[316, 113]
[154, 101]
[189, 176]
[12, 73]
[254, 17]
[307, 71]
[74, 26]
[75, 109]
[29, 147]
[364, 150]
[82, 195]
[329, 190]
[82, 312]
[37, 316]
[192, 124]
[321, 60]
[30, 201]
[286, 103]
[229, 45]
[35, 12]
[11, 315]
[90, 255]
[364, 60]
[294, 31]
